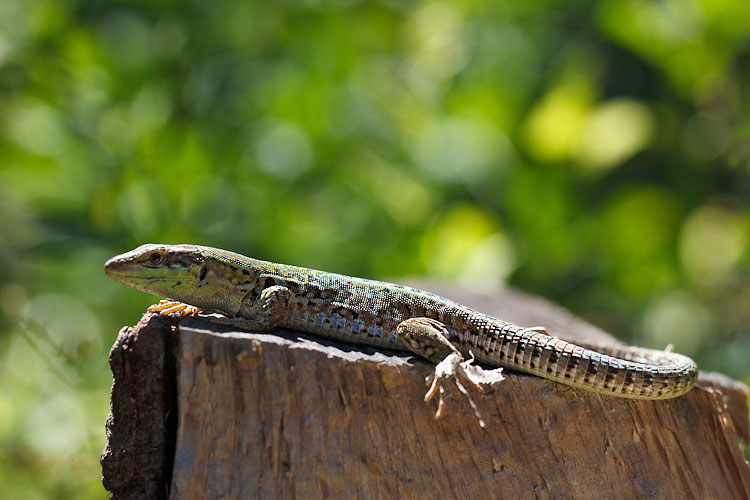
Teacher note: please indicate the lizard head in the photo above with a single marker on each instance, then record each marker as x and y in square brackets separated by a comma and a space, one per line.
[201, 276]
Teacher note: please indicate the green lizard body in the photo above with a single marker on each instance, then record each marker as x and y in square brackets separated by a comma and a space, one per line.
[265, 295]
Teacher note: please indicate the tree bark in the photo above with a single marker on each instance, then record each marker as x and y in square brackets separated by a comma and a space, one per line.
[200, 411]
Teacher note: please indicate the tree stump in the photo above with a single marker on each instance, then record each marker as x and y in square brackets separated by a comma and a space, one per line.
[201, 411]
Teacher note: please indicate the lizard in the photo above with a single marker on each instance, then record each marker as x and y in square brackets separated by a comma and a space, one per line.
[263, 295]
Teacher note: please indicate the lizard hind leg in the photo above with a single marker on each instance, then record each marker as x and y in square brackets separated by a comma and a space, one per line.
[429, 338]
[426, 337]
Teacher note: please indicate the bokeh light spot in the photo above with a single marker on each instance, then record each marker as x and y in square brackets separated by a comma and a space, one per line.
[712, 242]
[284, 149]
[676, 319]
[614, 131]
[467, 244]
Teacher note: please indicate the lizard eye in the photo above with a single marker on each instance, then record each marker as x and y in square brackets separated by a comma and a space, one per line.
[154, 257]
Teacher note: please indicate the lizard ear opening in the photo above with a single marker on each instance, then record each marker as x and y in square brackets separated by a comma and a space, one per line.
[203, 273]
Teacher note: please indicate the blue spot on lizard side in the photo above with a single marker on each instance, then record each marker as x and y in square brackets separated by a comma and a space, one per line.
[375, 331]
[337, 321]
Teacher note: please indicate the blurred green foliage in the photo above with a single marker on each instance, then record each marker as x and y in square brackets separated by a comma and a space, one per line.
[597, 153]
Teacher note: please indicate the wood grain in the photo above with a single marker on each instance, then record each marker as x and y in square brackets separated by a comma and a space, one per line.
[285, 415]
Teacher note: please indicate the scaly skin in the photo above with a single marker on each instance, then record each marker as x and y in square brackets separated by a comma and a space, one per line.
[267, 295]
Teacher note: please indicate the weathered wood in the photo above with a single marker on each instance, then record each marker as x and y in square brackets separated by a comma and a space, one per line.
[285, 415]
[137, 460]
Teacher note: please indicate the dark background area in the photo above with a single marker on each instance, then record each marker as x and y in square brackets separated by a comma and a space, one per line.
[595, 153]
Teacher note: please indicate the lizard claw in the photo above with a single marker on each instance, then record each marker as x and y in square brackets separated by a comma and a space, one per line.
[166, 307]
[456, 369]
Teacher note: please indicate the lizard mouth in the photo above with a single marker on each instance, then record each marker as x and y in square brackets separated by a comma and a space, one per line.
[113, 268]
[162, 281]
[118, 269]
[128, 272]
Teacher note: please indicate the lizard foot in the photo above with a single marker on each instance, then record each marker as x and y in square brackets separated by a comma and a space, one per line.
[458, 370]
[430, 339]
[166, 307]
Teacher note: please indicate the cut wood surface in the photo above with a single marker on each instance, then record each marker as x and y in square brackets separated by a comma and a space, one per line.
[287, 415]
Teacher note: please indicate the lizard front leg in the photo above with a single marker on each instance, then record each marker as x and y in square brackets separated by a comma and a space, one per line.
[429, 338]
[261, 313]
[266, 311]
